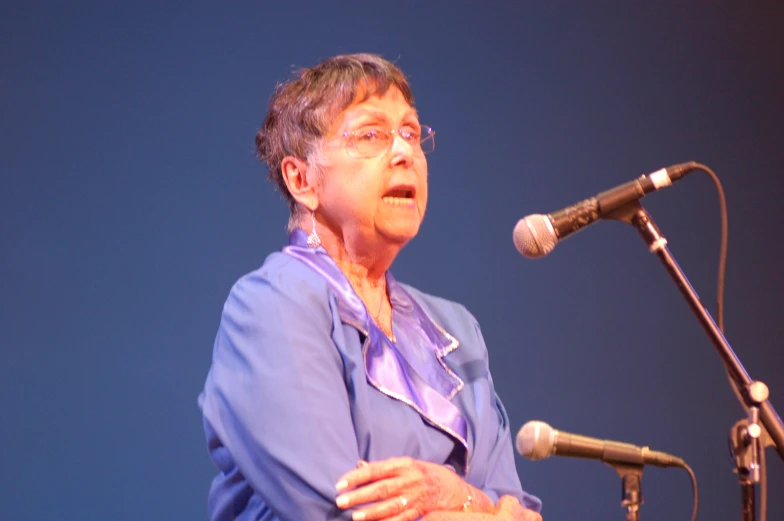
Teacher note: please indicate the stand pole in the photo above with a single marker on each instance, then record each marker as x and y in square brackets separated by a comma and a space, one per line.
[634, 214]
[748, 502]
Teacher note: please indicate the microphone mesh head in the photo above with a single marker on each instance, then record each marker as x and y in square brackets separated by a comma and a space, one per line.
[536, 440]
[534, 236]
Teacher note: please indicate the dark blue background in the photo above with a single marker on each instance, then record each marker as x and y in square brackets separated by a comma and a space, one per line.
[130, 201]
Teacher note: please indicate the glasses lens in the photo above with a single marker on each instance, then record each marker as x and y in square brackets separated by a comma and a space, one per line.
[371, 142]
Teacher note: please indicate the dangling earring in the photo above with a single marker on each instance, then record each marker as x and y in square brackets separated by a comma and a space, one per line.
[313, 238]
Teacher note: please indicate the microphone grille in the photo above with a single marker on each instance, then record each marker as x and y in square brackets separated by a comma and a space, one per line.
[536, 440]
[534, 236]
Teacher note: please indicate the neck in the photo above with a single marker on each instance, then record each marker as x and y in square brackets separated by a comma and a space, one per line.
[367, 275]
[365, 268]
[365, 264]
[362, 259]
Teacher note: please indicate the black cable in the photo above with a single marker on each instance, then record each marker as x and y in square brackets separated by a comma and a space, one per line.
[694, 491]
[720, 324]
[722, 248]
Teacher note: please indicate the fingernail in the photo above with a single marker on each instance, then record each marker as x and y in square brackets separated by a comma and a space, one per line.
[342, 501]
[342, 485]
[362, 463]
[358, 516]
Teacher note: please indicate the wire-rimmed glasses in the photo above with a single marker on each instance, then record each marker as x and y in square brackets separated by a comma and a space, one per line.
[373, 141]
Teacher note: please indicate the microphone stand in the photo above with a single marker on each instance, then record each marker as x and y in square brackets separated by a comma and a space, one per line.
[745, 447]
[745, 439]
[631, 488]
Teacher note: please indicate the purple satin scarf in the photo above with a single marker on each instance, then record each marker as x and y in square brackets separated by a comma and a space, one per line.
[412, 370]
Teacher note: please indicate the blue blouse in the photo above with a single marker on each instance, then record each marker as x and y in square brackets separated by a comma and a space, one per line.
[303, 385]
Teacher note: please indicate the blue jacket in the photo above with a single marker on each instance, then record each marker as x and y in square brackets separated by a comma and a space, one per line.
[288, 407]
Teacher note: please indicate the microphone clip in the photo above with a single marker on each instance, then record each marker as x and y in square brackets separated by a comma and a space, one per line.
[631, 488]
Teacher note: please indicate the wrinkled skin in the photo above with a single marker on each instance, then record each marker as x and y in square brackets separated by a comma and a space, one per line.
[405, 489]
[507, 509]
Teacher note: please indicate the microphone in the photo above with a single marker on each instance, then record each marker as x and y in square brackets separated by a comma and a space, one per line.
[537, 440]
[536, 235]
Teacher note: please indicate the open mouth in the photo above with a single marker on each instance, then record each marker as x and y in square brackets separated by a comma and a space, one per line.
[400, 196]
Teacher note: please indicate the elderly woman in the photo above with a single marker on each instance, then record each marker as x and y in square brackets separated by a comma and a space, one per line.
[335, 391]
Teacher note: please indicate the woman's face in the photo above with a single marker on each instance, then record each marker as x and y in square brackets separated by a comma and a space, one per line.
[368, 199]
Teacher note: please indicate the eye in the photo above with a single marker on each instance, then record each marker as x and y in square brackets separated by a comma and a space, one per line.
[369, 134]
[410, 133]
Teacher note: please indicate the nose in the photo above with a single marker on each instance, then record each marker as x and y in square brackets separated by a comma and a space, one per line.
[402, 151]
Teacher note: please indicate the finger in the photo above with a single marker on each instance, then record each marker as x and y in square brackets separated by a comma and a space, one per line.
[376, 491]
[530, 515]
[509, 507]
[407, 515]
[391, 508]
[506, 505]
[372, 472]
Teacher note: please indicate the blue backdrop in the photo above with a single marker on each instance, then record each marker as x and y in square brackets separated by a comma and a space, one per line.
[130, 201]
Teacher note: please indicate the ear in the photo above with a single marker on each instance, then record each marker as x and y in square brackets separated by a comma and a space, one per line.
[300, 182]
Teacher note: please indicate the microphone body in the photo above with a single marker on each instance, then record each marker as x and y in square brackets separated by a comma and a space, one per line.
[537, 440]
[536, 235]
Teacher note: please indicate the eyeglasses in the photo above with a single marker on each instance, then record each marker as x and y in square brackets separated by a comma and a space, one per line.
[373, 141]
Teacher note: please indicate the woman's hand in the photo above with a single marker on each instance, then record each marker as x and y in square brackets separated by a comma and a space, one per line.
[507, 509]
[404, 489]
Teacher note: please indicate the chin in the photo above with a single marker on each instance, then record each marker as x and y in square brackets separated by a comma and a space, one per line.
[399, 229]
[400, 235]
